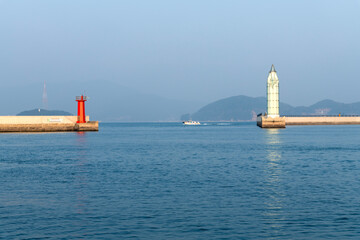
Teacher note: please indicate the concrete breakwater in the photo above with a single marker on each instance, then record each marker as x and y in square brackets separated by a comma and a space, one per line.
[281, 122]
[326, 120]
[45, 124]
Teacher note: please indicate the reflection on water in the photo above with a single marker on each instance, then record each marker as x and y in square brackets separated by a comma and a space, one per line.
[81, 136]
[81, 180]
[273, 184]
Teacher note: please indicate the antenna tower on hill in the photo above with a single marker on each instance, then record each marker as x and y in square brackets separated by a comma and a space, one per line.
[44, 97]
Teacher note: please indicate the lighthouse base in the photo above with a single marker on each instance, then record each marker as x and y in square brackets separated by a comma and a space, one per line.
[88, 126]
[270, 122]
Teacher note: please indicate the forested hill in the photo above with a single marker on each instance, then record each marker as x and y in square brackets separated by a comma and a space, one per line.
[243, 108]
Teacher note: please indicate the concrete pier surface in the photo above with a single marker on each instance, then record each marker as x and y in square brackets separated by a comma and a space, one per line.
[281, 122]
[45, 124]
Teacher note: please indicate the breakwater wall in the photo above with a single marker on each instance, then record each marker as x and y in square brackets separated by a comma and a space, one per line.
[45, 124]
[281, 122]
[325, 120]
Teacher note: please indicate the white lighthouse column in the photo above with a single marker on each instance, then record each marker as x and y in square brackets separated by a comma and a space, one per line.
[272, 119]
[273, 94]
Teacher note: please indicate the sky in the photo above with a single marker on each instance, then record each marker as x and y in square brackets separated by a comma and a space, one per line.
[193, 50]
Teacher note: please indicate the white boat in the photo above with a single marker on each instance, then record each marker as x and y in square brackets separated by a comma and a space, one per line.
[191, 123]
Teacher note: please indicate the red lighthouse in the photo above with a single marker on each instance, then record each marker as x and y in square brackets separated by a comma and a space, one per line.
[81, 108]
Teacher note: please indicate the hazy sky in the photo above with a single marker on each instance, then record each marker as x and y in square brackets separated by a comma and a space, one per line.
[199, 50]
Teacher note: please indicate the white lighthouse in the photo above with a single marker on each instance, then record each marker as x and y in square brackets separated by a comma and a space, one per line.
[272, 118]
[273, 94]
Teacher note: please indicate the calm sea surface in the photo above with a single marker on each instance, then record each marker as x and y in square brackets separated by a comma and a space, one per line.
[168, 181]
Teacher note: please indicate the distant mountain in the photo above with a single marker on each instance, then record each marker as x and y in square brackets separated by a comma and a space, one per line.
[326, 107]
[108, 101]
[43, 112]
[243, 108]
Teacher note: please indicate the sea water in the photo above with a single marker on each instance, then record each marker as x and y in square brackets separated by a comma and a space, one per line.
[169, 181]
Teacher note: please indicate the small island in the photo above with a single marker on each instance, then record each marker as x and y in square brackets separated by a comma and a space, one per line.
[43, 112]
